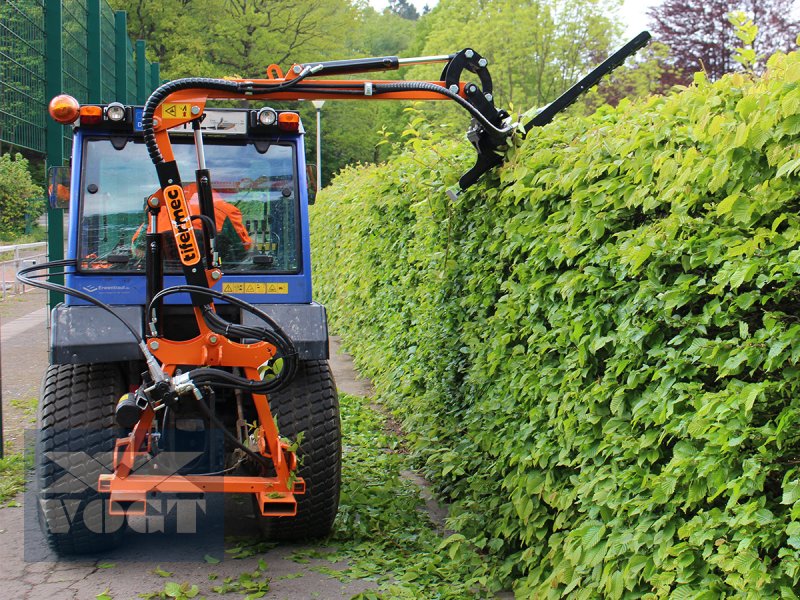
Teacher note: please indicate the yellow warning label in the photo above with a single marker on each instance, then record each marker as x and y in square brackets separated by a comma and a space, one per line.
[255, 288]
[176, 110]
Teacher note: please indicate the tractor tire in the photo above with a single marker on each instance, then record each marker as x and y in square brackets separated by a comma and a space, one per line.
[309, 404]
[76, 438]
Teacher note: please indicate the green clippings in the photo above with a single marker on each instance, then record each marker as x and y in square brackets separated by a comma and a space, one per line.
[252, 584]
[340, 575]
[211, 560]
[172, 589]
[180, 591]
[161, 572]
[380, 532]
[104, 595]
[28, 407]
[212, 576]
[291, 576]
[106, 565]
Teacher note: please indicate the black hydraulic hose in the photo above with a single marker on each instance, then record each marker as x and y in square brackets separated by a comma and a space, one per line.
[209, 228]
[177, 289]
[160, 94]
[219, 378]
[23, 277]
[231, 438]
[208, 225]
[277, 337]
[424, 86]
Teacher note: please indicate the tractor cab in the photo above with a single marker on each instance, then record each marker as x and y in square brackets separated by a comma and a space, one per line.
[261, 192]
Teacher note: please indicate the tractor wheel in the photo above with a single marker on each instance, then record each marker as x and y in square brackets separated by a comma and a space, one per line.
[309, 404]
[76, 439]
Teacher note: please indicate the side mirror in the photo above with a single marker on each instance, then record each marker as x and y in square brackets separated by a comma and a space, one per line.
[58, 181]
[311, 183]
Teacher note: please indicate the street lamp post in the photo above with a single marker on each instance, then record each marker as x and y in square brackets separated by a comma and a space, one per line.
[318, 105]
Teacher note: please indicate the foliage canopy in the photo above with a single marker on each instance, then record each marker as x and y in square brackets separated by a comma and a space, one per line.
[20, 197]
[701, 39]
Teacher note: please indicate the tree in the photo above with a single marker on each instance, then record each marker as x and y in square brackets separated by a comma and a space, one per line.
[214, 38]
[536, 48]
[20, 197]
[701, 37]
[238, 37]
[404, 9]
[640, 76]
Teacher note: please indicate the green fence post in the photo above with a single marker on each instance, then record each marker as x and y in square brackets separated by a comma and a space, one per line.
[93, 52]
[54, 138]
[141, 73]
[155, 76]
[121, 55]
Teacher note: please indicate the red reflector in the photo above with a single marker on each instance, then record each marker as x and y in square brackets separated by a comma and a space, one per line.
[91, 115]
[289, 121]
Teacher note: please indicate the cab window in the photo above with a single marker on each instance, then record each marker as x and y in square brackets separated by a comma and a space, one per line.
[255, 205]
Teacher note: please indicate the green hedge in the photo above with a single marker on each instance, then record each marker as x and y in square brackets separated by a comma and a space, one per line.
[595, 351]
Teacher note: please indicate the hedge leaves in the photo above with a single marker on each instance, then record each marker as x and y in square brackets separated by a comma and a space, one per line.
[595, 350]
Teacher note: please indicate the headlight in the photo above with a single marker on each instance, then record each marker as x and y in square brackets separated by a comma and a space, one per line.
[115, 112]
[267, 116]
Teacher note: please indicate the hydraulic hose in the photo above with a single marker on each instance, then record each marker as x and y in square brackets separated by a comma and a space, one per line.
[160, 94]
[275, 336]
[222, 85]
[23, 277]
[425, 86]
[228, 435]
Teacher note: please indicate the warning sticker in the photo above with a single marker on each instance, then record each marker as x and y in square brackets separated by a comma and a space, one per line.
[176, 111]
[255, 288]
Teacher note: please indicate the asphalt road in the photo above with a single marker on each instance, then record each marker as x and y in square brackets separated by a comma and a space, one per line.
[29, 571]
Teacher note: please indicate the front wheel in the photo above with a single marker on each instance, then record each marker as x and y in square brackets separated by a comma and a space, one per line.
[309, 405]
[75, 444]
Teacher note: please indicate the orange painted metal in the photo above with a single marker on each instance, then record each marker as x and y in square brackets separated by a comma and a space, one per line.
[273, 498]
[274, 494]
[136, 484]
[197, 97]
[127, 449]
[211, 349]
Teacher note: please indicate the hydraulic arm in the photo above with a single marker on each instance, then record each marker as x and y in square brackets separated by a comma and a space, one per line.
[183, 100]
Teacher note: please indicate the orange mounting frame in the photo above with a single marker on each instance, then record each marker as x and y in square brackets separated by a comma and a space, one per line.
[275, 495]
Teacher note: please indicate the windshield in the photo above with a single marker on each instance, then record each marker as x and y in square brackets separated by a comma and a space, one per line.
[255, 204]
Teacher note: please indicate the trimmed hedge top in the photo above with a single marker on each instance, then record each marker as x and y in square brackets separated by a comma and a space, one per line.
[595, 351]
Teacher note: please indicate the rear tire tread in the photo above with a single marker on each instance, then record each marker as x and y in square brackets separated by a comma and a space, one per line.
[76, 415]
[310, 404]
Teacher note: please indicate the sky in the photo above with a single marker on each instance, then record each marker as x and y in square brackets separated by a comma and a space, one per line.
[633, 12]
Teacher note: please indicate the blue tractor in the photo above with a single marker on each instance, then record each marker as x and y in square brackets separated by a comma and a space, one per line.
[189, 327]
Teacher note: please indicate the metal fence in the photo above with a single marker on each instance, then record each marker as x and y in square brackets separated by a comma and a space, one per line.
[98, 63]
[22, 40]
[12, 259]
[48, 47]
